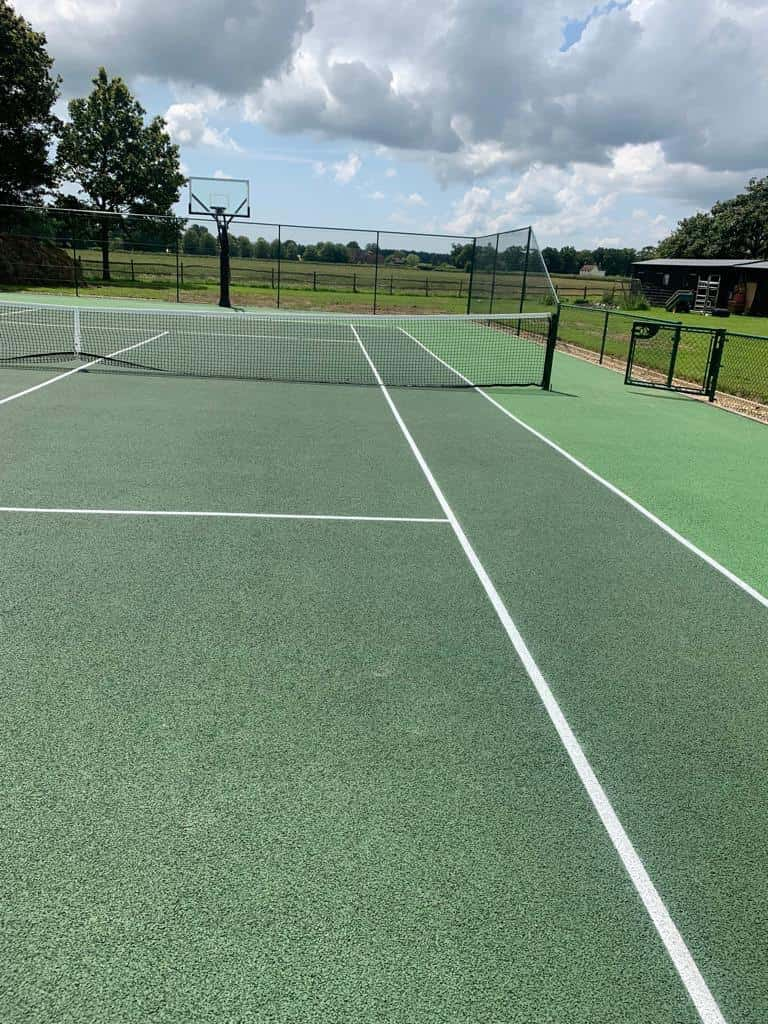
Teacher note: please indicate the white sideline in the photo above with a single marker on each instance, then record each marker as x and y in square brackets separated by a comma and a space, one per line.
[217, 515]
[712, 562]
[79, 369]
[681, 957]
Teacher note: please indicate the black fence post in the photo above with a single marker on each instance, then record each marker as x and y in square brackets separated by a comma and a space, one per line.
[673, 356]
[525, 270]
[178, 265]
[471, 276]
[376, 274]
[279, 253]
[75, 258]
[493, 277]
[718, 347]
[605, 334]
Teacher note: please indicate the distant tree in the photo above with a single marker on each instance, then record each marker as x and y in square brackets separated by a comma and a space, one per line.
[290, 250]
[28, 91]
[242, 246]
[648, 252]
[569, 261]
[261, 249]
[274, 248]
[412, 260]
[552, 259]
[120, 163]
[461, 255]
[198, 241]
[310, 254]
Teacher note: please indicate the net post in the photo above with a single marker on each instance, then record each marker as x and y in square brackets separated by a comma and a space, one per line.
[76, 335]
[471, 275]
[525, 269]
[279, 254]
[549, 355]
[376, 273]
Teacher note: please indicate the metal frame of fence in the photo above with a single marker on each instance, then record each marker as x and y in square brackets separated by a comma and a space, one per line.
[742, 364]
[377, 278]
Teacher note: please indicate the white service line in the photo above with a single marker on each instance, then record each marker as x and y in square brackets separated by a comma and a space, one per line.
[79, 369]
[681, 957]
[217, 515]
[712, 562]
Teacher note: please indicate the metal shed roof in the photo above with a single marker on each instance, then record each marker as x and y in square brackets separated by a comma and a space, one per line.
[700, 264]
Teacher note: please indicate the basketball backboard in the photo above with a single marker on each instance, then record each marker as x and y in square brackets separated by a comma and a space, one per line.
[228, 197]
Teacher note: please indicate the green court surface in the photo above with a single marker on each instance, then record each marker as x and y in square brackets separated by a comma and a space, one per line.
[420, 723]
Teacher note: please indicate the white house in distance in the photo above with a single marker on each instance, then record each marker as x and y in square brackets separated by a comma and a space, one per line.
[591, 270]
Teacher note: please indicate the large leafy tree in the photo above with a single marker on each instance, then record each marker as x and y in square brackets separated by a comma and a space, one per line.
[28, 91]
[733, 228]
[121, 164]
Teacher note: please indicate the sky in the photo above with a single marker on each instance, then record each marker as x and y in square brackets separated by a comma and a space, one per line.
[598, 125]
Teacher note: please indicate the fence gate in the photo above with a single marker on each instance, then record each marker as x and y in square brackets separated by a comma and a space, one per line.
[675, 357]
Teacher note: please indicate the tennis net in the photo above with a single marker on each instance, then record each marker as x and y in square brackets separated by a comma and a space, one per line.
[415, 351]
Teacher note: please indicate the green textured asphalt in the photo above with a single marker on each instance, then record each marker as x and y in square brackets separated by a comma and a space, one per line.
[703, 470]
[101, 440]
[658, 661]
[291, 772]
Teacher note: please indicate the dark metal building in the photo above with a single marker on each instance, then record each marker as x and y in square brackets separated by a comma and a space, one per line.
[740, 286]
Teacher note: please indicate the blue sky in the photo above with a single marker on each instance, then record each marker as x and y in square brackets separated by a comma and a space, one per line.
[597, 124]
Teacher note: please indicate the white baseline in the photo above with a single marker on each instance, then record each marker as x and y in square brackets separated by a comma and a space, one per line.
[697, 988]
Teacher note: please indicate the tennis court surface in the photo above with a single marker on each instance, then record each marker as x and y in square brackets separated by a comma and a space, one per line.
[326, 702]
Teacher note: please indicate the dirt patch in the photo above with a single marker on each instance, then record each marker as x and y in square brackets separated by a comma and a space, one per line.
[33, 261]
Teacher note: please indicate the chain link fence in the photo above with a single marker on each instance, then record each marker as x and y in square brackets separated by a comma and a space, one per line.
[606, 332]
[272, 265]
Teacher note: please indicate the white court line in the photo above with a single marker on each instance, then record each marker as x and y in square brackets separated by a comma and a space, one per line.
[681, 957]
[78, 369]
[218, 515]
[712, 562]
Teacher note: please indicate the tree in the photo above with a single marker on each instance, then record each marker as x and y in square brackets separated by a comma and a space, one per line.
[198, 241]
[461, 255]
[261, 249]
[120, 163]
[412, 260]
[693, 237]
[290, 250]
[27, 94]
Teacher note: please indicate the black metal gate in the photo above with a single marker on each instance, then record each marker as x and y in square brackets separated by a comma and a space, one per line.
[675, 357]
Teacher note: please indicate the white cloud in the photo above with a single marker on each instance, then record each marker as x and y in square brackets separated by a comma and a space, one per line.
[188, 125]
[376, 195]
[345, 170]
[414, 199]
[582, 200]
[231, 50]
[390, 173]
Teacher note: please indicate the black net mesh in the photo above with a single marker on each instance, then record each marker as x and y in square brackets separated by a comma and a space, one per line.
[417, 351]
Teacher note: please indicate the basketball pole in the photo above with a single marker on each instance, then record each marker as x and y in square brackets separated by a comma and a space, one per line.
[222, 228]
